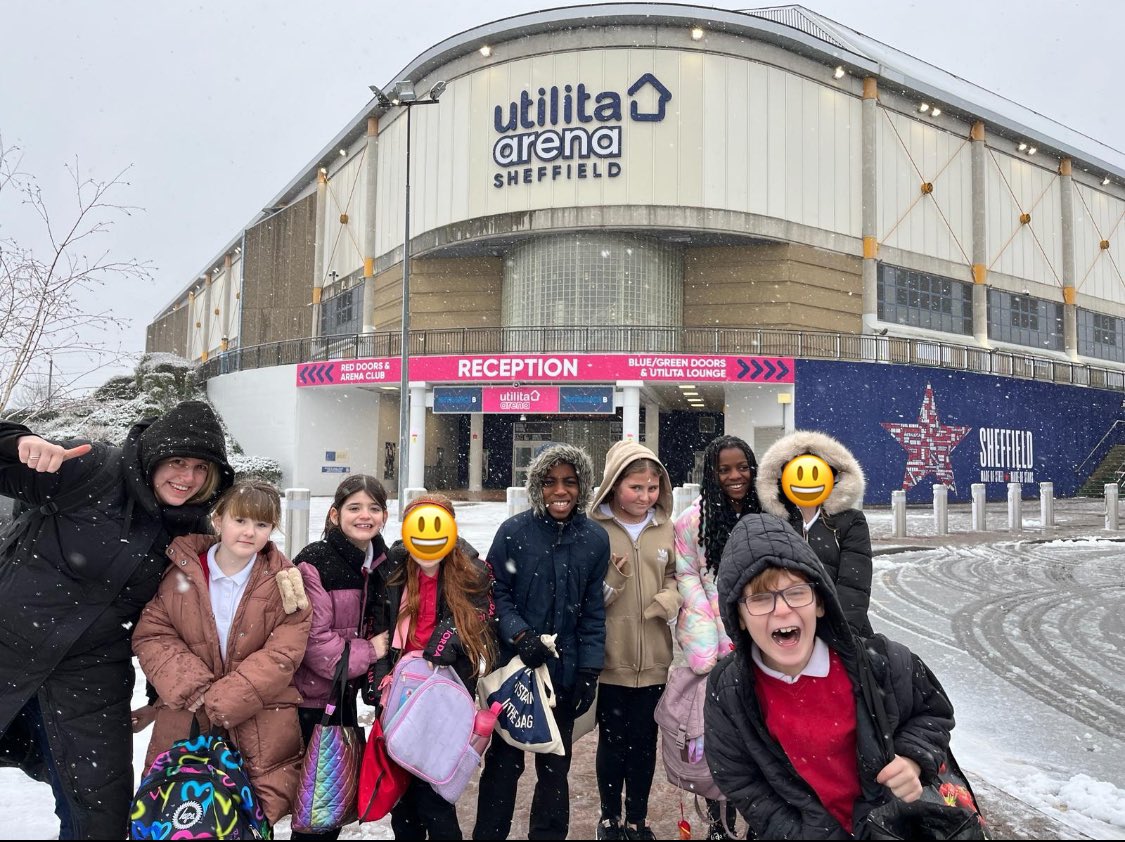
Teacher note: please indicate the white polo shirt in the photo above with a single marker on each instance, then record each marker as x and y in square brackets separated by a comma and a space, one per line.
[226, 593]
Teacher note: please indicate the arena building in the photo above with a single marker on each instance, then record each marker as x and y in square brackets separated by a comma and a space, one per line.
[664, 222]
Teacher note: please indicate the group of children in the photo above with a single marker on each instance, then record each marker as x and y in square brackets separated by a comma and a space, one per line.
[769, 606]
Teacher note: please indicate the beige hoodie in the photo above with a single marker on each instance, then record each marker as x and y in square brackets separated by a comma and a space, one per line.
[641, 594]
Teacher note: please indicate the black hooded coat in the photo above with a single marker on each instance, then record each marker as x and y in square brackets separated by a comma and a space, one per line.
[549, 573]
[747, 763]
[72, 589]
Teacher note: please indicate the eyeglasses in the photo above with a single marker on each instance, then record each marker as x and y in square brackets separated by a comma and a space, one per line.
[795, 596]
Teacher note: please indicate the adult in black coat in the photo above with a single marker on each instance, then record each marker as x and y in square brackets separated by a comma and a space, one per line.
[835, 529]
[747, 761]
[73, 587]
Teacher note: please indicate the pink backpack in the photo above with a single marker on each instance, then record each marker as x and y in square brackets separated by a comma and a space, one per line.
[428, 725]
[679, 715]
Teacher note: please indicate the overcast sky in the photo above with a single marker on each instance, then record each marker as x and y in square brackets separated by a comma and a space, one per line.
[215, 106]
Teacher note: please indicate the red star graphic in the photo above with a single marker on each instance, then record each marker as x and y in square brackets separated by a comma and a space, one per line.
[928, 445]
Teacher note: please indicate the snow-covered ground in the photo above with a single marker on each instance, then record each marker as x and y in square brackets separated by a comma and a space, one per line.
[1027, 640]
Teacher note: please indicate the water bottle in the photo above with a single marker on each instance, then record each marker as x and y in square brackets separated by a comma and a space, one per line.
[482, 727]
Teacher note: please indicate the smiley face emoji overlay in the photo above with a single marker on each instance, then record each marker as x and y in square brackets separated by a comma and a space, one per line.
[429, 532]
[807, 480]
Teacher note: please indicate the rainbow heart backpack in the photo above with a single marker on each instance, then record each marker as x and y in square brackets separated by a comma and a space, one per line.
[197, 789]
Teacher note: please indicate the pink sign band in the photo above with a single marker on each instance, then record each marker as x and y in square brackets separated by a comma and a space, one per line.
[552, 368]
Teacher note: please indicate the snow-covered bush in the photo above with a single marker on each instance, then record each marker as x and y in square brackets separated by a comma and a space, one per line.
[159, 382]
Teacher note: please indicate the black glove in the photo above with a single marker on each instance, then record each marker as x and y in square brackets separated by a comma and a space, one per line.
[444, 645]
[531, 649]
[585, 691]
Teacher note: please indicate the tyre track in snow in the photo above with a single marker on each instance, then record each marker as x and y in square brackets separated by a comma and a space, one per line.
[1044, 624]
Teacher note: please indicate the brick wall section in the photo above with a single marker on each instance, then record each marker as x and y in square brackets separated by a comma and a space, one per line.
[444, 293]
[783, 286]
[169, 333]
[278, 276]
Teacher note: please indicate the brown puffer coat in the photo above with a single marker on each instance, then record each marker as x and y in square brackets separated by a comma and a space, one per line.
[251, 696]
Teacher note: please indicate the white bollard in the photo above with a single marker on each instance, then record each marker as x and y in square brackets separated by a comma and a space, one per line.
[1015, 507]
[1047, 505]
[1111, 491]
[980, 516]
[941, 509]
[517, 500]
[410, 494]
[296, 520]
[898, 513]
[682, 498]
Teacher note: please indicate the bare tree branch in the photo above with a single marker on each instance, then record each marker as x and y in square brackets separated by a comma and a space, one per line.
[41, 293]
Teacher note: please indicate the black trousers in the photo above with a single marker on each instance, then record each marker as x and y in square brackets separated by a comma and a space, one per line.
[423, 814]
[627, 737]
[550, 803]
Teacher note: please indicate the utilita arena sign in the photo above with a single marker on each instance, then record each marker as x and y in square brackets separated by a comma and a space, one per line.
[546, 368]
[569, 132]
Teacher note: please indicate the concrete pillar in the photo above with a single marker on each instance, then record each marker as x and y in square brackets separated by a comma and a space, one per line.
[296, 520]
[630, 409]
[1070, 306]
[941, 508]
[228, 271]
[980, 516]
[743, 406]
[205, 318]
[1015, 507]
[869, 190]
[371, 183]
[417, 469]
[194, 323]
[898, 513]
[517, 500]
[979, 194]
[318, 248]
[476, 451]
[652, 427]
[1111, 519]
[682, 497]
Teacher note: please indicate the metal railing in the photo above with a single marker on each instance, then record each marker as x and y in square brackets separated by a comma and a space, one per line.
[682, 340]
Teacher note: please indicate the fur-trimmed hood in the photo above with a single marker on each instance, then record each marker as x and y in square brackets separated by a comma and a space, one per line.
[547, 458]
[850, 481]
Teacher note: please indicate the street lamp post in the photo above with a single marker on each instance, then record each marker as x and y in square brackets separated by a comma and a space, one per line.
[402, 95]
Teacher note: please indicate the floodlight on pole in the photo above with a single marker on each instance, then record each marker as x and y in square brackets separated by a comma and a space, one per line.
[402, 95]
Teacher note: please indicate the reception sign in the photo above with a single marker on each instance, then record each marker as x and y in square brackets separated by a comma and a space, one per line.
[552, 368]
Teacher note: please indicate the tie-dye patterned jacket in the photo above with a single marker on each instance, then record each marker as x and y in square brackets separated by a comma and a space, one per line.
[699, 629]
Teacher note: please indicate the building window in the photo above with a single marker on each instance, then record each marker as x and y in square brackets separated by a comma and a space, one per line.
[340, 313]
[1025, 320]
[1101, 336]
[1025, 313]
[919, 299]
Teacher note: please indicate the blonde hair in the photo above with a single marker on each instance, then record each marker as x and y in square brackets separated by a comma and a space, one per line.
[210, 485]
[253, 499]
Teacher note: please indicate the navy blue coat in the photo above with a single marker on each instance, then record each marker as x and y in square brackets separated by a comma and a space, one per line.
[549, 576]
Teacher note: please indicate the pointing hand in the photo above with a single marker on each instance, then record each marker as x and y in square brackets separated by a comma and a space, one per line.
[46, 458]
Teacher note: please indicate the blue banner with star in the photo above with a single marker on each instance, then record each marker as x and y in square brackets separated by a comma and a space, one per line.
[912, 427]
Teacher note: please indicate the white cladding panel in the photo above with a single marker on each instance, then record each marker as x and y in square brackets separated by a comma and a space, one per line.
[911, 153]
[1033, 251]
[343, 242]
[232, 308]
[1099, 216]
[737, 135]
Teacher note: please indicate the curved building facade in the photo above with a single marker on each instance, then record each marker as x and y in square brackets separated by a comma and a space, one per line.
[665, 222]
